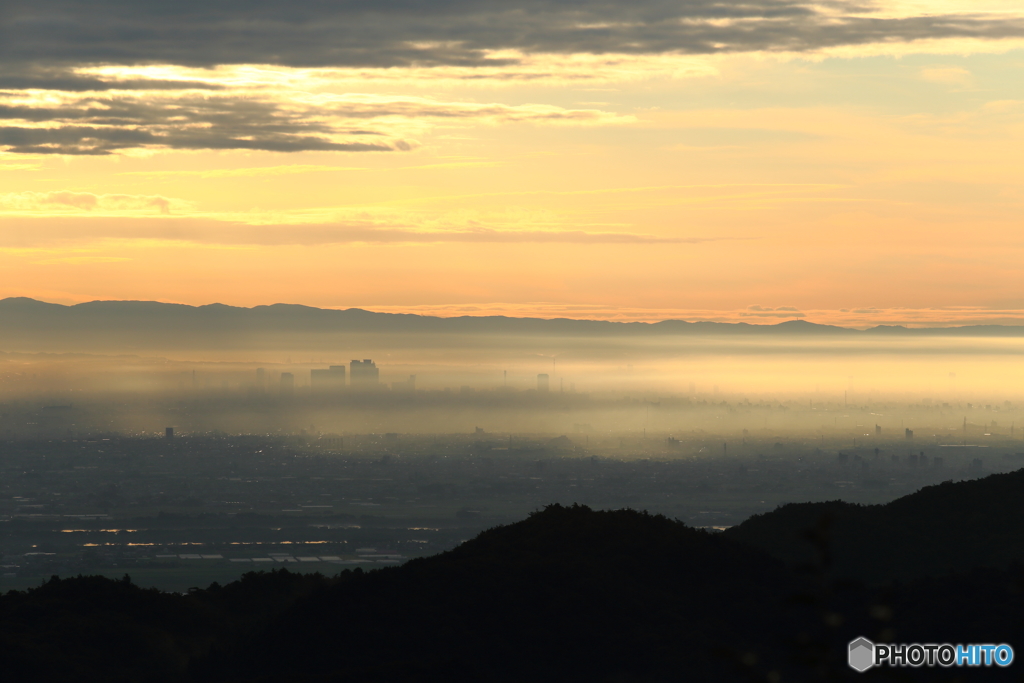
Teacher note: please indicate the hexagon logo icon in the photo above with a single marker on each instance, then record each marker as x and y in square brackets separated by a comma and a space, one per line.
[861, 654]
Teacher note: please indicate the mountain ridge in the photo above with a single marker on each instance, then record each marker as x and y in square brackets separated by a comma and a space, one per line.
[380, 321]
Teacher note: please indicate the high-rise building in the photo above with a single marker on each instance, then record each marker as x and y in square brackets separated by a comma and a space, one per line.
[169, 433]
[364, 373]
[542, 382]
[287, 384]
[329, 381]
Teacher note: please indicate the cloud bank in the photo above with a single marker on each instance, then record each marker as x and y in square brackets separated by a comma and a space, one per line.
[28, 232]
[245, 119]
[61, 92]
[388, 33]
[78, 202]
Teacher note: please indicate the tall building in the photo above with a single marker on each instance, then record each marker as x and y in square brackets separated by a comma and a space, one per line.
[287, 384]
[542, 382]
[364, 373]
[329, 381]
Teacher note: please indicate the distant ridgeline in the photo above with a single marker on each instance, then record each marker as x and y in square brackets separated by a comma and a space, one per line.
[570, 594]
[30, 325]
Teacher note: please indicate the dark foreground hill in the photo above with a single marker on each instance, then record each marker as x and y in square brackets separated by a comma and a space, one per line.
[569, 594]
[950, 527]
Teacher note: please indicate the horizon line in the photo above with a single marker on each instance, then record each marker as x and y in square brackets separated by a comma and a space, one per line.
[797, 317]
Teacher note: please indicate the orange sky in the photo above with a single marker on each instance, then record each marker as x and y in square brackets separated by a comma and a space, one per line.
[860, 183]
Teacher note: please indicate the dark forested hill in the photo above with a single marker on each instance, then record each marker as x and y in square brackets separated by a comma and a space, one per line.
[568, 594]
[97, 629]
[950, 527]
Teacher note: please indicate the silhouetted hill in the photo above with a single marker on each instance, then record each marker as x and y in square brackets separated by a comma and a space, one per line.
[30, 325]
[568, 594]
[92, 628]
[950, 527]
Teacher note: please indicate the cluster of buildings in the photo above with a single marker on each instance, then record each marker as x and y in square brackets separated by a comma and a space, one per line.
[361, 375]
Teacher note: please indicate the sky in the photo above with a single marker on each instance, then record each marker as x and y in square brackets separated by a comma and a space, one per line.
[844, 162]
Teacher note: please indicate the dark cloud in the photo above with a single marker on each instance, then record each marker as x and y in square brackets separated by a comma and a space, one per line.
[45, 45]
[442, 32]
[105, 125]
[96, 125]
[87, 140]
[31, 76]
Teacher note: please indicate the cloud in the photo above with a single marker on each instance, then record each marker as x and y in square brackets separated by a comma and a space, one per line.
[42, 77]
[787, 312]
[115, 76]
[26, 232]
[86, 202]
[80, 260]
[762, 309]
[787, 316]
[289, 169]
[388, 33]
[248, 120]
[111, 76]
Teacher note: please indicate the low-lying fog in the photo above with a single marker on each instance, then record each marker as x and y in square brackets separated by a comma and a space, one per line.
[456, 383]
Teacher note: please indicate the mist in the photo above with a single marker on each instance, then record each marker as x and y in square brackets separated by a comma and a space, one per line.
[671, 385]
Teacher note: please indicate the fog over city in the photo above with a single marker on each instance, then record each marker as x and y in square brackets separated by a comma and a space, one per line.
[194, 446]
[115, 370]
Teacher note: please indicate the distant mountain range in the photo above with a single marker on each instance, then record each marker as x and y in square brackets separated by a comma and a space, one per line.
[28, 324]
